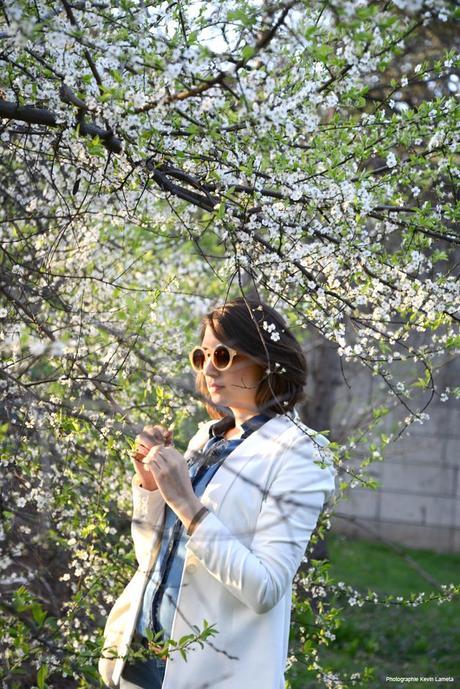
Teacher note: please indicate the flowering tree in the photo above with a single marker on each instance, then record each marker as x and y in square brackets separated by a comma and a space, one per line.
[155, 158]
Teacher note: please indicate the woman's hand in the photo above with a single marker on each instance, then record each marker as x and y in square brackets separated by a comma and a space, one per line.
[150, 436]
[170, 473]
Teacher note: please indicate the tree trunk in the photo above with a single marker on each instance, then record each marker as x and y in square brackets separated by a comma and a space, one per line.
[316, 411]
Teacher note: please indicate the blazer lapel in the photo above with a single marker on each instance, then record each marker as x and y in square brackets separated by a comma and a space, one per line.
[267, 438]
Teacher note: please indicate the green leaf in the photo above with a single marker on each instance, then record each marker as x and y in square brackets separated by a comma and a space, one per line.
[247, 52]
[423, 382]
[379, 411]
[89, 528]
[321, 52]
[439, 255]
[38, 614]
[240, 15]
[95, 147]
[42, 674]
[453, 342]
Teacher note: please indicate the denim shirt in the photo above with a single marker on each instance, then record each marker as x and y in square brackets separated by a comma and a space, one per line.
[162, 590]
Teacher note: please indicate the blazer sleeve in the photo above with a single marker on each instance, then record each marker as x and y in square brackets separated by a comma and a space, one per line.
[147, 520]
[260, 575]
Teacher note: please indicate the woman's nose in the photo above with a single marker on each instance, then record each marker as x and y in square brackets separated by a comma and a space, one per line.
[208, 366]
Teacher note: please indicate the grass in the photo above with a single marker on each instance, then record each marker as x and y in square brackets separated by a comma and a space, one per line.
[396, 641]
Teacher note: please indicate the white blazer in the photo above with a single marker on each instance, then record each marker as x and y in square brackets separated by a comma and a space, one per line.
[265, 500]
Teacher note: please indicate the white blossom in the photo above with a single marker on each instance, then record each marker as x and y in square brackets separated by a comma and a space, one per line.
[391, 160]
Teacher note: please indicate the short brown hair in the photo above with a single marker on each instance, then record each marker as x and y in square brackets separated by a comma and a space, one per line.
[254, 328]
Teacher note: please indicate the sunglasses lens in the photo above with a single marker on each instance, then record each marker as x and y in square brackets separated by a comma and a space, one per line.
[221, 357]
[198, 359]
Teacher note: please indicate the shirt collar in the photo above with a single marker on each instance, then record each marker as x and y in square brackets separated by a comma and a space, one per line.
[218, 429]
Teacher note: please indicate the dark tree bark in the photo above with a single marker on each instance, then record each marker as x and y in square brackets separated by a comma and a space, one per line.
[316, 412]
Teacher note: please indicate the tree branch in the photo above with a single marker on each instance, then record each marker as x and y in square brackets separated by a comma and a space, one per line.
[34, 115]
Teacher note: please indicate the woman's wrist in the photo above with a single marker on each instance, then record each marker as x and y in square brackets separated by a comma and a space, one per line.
[145, 483]
[148, 487]
[199, 516]
[188, 511]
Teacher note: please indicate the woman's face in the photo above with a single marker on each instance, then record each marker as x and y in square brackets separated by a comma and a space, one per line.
[238, 384]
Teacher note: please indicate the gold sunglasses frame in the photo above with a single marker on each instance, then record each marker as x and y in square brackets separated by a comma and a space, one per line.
[210, 353]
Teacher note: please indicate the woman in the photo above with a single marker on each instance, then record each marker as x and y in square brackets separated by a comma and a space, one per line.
[220, 531]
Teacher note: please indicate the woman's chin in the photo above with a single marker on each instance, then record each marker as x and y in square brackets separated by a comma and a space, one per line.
[216, 394]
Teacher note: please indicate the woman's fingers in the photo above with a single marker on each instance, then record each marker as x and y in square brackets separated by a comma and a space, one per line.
[139, 450]
[136, 457]
[153, 435]
[149, 438]
[142, 447]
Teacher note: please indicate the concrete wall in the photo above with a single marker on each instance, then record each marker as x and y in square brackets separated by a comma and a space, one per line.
[418, 504]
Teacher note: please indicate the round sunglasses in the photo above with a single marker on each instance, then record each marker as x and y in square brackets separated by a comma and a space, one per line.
[222, 357]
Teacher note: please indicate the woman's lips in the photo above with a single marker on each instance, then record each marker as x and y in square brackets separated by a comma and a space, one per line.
[215, 387]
